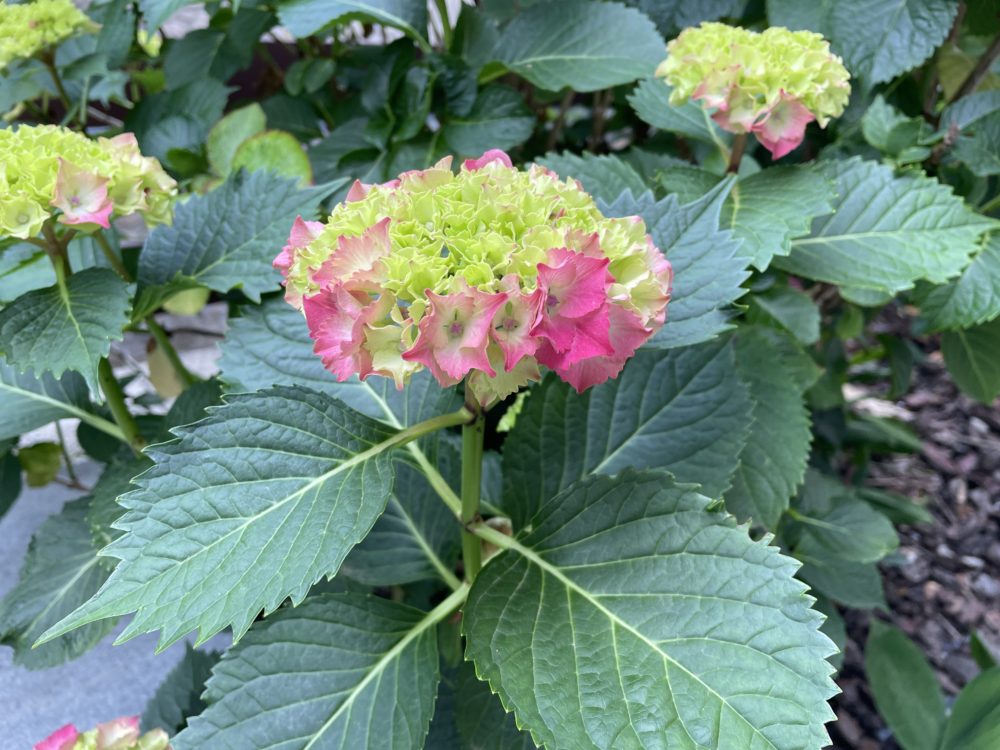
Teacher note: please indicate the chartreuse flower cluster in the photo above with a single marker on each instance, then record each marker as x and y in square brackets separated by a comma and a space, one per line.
[120, 734]
[771, 84]
[48, 171]
[29, 28]
[484, 275]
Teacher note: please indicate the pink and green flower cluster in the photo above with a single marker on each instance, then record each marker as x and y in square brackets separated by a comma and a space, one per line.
[29, 28]
[48, 171]
[482, 275]
[771, 84]
[120, 734]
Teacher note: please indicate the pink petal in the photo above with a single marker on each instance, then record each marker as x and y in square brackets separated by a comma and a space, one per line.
[337, 320]
[514, 322]
[303, 232]
[784, 126]
[358, 191]
[82, 196]
[590, 338]
[62, 739]
[627, 335]
[493, 155]
[356, 261]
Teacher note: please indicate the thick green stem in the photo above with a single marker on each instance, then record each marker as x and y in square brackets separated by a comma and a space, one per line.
[447, 33]
[186, 377]
[48, 60]
[112, 256]
[472, 478]
[119, 409]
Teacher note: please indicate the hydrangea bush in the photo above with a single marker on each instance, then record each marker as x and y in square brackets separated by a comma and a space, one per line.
[529, 424]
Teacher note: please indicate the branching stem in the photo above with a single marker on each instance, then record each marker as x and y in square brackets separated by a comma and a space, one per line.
[472, 478]
[119, 409]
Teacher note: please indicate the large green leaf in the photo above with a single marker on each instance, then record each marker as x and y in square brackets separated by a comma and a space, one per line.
[683, 410]
[787, 308]
[635, 614]
[60, 573]
[773, 460]
[671, 16]
[973, 359]
[179, 695]
[28, 402]
[851, 529]
[886, 231]
[767, 209]
[976, 119]
[708, 266]
[651, 101]
[248, 507]
[339, 671]
[67, 326]
[499, 118]
[157, 11]
[606, 44]
[483, 724]
[975, 718]
[904, 688]
[307, 17]
[853, 584]
[604, 177]
[226, 239]
[972, 298]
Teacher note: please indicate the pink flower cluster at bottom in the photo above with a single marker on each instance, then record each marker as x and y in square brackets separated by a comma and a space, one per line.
[118, 734]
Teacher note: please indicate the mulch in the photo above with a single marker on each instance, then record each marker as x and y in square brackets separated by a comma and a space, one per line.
[944, 582]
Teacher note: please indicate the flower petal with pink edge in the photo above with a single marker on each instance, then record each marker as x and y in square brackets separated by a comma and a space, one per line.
[62, 739]
[454, 333]
[590, 338]
[118, 734]
[627, 334]
[356, 261]
[303, 232]
[574, 315]
[514, 322]
[490, 157]
[82, 197]
[784, 126]
[337, 320]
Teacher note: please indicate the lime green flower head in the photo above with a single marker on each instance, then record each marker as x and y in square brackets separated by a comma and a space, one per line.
[771, 84]
[30, 28]
[485, 274]
[48, 171]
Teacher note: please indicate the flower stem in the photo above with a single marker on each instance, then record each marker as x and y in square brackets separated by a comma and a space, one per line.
[186, 377]
[736, 155]
[119, 409]
[472, 477]
[112, 256]
[447, 33]
[49, 61]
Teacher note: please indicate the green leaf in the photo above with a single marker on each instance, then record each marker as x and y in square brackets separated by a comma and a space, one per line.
[482, 722]
[976, 121]
[651, 101]
[499, 118]
[788, 308]
[60, 572]
[607, 44]
[895, 134]
[10, 480]
[773, 460]
[886, 232]
[853, 584]
[104, 510]
[276, 151]
[972, 298]
[708, 269]
[341, 670]
[246, 508]
[66, 326]
[975, 717]
[179, 695]
[851, 530]
[594, 629]
[414, 539]
[973, 359]
[983, 652]
[155, 12]
[604, 177]
[270, 345]
[683, 410]
[767, 209]
[28, 402]
[40, 462]
[904, 688]
[229, 132]
[671, 16]
[226, 239]
[192, 108]
[307, 17]
[897, 508]
[833, 628]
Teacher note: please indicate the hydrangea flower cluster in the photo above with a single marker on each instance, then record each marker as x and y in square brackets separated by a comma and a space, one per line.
[120, 734]
[771, 84]
[47, 170]
[30, 28]
[485, 275]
